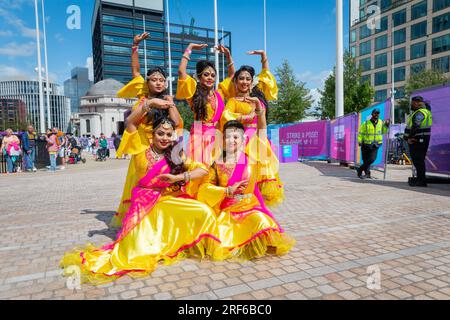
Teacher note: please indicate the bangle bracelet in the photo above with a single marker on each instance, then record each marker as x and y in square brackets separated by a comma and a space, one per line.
[188, 51]
[187, 58]
[134, 49]
[231, 63]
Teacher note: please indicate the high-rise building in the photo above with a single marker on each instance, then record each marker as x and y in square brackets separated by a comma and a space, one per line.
[13, 114]
[77, 86]
[28, 92]
[410, 35]
[114, 24]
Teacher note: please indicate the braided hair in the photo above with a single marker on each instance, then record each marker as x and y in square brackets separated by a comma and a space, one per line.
[200, 98]
[255, 92]
[157, 114]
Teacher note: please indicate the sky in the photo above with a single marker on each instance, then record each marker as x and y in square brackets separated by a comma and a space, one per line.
[299, 31]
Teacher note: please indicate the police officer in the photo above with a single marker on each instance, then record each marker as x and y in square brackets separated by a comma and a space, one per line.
[370, 138]
[418, 134]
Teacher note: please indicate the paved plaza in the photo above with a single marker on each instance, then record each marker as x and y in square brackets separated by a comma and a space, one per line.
[355, 239]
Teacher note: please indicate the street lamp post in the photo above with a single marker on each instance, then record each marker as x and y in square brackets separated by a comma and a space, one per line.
[49, 121]
[169, 46]
[216, 40]
[339, 60]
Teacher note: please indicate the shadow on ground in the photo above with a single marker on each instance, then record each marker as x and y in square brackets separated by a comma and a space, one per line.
[103, 216]
[345, 173]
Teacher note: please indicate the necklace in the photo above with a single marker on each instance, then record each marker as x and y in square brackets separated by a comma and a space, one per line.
[156, 155]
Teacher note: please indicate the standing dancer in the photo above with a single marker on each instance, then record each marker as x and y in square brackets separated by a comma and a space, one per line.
[153, 87]
[206, 103]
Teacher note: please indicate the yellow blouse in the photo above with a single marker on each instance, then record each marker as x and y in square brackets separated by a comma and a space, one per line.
[186, 90]
[233, 109]
[267, 84]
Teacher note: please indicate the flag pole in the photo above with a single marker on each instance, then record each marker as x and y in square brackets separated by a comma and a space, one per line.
[265, 27]
[216, 40]
[169, 47]
[49, 121]
[41, 95]
[145, 45]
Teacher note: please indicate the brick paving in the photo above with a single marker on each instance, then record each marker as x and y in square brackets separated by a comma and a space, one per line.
[344, 228]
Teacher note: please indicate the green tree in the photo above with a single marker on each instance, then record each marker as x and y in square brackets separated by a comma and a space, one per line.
[293, 98]
[186, 114]
[420, 80]
[357, 94]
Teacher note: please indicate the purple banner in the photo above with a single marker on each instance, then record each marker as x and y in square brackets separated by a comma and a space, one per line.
[343, 138]
[310, 137]
[438, 156]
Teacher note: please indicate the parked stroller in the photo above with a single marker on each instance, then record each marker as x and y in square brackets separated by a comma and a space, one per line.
[102, 153]
[75, 155]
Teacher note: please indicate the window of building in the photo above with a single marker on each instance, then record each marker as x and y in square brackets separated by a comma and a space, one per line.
[419, 10]
[418, 30]
[117, 39]
[115, 29]
[399, 17]
[399, 93]
[418, 50]
[417, 67]
[364, 48]
[88, 126]
[384, 4]
[399, 74]
[383, 25]
[399, 55]
[380, 78]
[353, 51]
[400, 36]
[366, 64]
[366, 78]
[122, 20]
[364, 32]
[381, 60]
[441, 44]
[380, 95]
[381, 42]
[441, 22]
[353, 36]
[116, 49]
[440, 4]
[441, 64]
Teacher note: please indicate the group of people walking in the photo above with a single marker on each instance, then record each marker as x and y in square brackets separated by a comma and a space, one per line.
[209, 199]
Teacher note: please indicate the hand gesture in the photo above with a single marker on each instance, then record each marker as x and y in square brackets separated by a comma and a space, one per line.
[239, 187]
[138, 38]
[159, 103]
[254, 101]
[198, 46]
[257, 52]
[168, 178]
[223, 49]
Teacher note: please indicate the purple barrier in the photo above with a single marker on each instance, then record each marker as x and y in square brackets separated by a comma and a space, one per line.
[438, 157]
[310, 137]
[343, 138]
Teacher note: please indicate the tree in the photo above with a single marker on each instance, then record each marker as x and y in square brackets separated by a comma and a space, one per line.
[421, 80]
[357, 94]
[186, 114]
[293, 98]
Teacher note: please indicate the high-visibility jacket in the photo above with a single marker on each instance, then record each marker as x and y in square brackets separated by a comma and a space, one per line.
[419, 124]
[372, 134]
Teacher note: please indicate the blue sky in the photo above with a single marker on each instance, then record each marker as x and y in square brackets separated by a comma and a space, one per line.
[301, 31]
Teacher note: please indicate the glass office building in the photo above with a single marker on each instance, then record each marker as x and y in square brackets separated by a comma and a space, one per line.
[411, 35]
[77, 86]
[114, 24]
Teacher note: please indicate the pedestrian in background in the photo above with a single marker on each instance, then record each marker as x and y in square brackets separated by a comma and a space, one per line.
[52, 148]
[29, 139]
[116, 142]
[370, 139]
[11, 151]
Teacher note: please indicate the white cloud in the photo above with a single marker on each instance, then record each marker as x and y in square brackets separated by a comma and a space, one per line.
[12, 20]
[11, 73]
[6, 33]
[315, 94]
[314, 79]
[90, 66]
[59, 38]
[15, 4]
[19, 50]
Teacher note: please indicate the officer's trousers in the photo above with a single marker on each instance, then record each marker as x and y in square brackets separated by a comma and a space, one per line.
[418, 153]
[369, 155]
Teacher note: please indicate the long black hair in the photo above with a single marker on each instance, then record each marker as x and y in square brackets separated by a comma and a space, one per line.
[176, 167]
[256, 92]
[200, 98]
[232, 124]
[157, 114]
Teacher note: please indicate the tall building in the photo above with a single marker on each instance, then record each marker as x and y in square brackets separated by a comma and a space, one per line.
[28, 92]
[114, 24]
[411, 35]
[77, 86]
[13, 114]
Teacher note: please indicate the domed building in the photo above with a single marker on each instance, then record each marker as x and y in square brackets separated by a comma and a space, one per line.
[101, 111]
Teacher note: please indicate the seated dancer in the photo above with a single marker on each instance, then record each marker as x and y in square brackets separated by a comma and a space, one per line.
[206, 103]
[154, 87]
[247, 229]
[163, 223]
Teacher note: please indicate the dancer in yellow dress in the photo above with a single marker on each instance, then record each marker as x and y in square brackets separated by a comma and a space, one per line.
[153, 87]
[163, 223]
[206, 102]
[237, 189]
